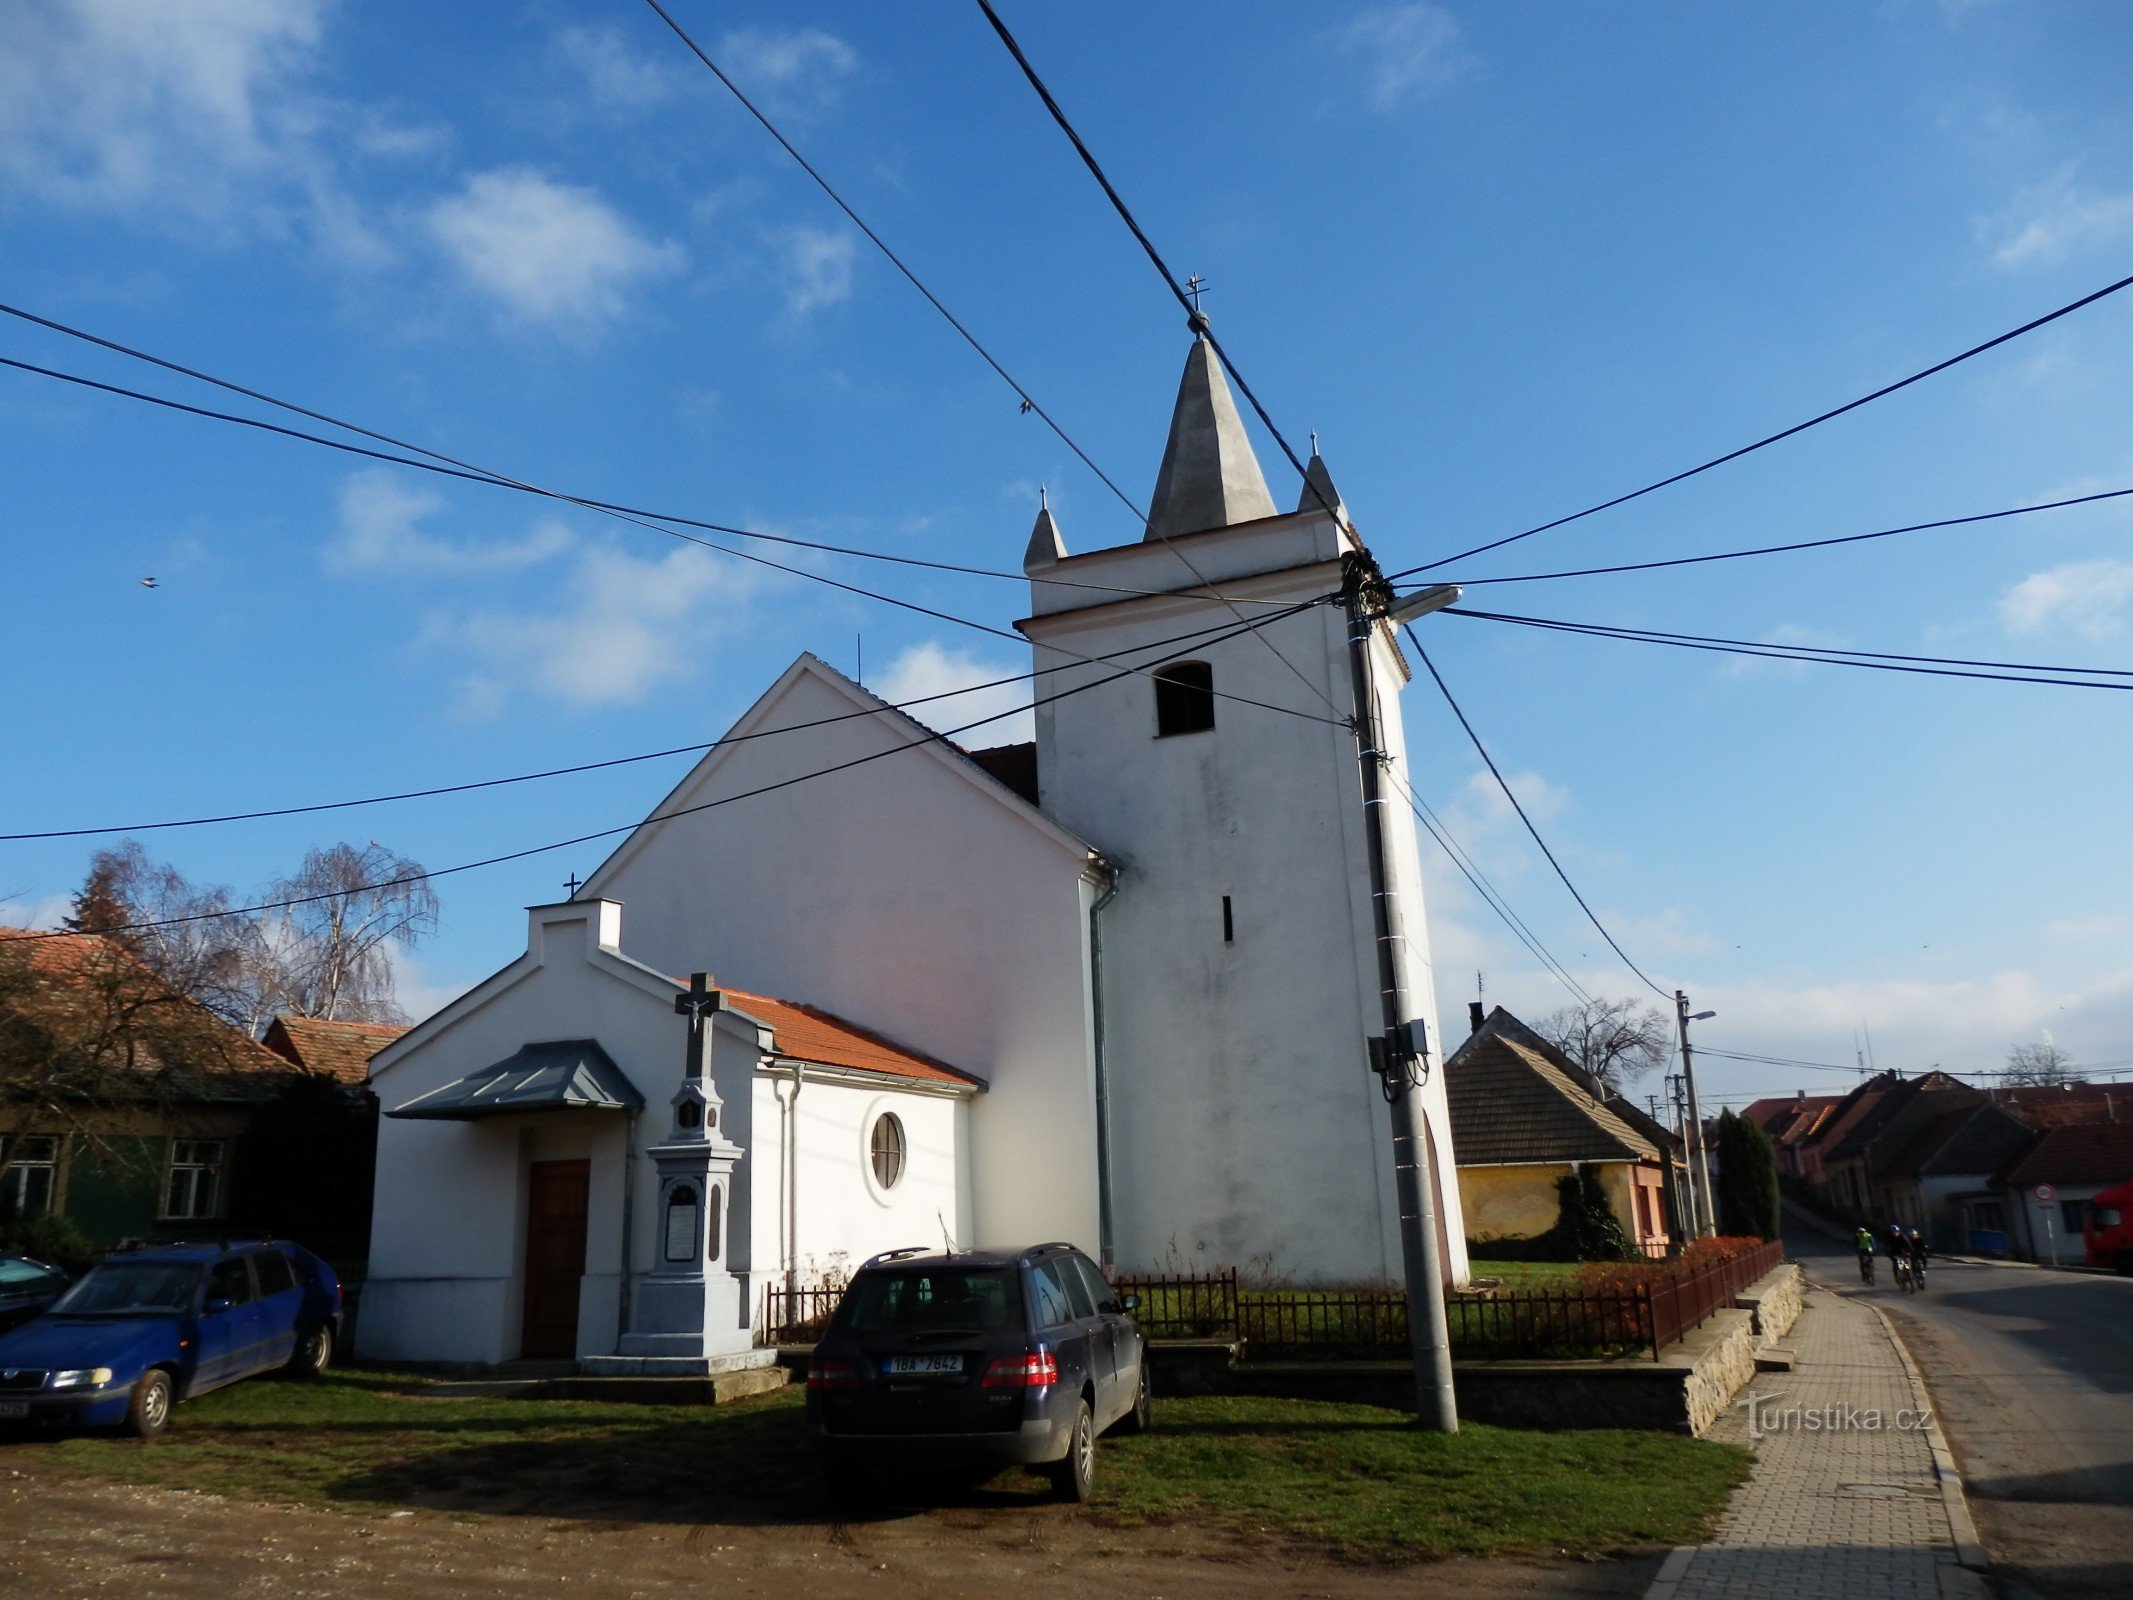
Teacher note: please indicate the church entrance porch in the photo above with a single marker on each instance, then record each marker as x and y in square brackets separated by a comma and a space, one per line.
[556, 1205]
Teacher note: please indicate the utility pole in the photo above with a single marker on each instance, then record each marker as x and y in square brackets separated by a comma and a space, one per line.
[1684, 1184]
[1401, 1055]
[1699, 1157]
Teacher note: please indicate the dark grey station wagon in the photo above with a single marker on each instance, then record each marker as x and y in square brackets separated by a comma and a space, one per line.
[985, 1359]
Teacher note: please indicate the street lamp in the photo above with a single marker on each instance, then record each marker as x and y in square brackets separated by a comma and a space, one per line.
[1698, 1149]
[1423, 601]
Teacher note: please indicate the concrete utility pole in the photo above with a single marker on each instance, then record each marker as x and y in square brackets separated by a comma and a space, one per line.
[1401, 1055]
[1699, 1157]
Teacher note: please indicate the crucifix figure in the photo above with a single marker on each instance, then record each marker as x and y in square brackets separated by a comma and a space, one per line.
[700, 1002]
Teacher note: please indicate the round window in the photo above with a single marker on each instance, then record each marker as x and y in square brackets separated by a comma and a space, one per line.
[887, 1149]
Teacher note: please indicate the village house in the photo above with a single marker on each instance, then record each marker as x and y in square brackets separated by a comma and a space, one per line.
[1524, 1116]
[122, 1101]
[853, 986]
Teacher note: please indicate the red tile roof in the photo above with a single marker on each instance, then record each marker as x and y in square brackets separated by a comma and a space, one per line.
[2098, 1153]
[89, 987]
[2054, 1106]
[332, 1047]
[807, 1033]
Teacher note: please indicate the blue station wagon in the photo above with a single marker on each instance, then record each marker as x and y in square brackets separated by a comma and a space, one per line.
[978, 1361]
[147, 1328]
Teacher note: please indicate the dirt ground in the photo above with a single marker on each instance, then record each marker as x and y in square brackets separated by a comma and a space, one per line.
[65, 1536]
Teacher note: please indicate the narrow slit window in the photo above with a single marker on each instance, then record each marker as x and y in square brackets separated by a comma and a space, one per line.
[1184, 698]
[1229, 923]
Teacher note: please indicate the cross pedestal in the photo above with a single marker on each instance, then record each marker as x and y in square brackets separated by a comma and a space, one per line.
[687, 1318]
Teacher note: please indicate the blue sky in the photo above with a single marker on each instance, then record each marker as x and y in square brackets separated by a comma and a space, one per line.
[1506, 260]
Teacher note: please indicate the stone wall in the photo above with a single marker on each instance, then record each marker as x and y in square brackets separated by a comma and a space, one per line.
[1774, 1301]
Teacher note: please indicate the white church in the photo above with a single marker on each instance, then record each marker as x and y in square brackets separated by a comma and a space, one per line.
[1114, 987]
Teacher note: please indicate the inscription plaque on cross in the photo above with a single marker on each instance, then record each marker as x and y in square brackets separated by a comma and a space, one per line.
[700, 1003]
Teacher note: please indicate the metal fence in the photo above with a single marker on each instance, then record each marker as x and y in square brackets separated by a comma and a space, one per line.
[1648, 1312]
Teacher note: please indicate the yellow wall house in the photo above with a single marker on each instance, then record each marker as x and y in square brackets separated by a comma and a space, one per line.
[1524, 1115]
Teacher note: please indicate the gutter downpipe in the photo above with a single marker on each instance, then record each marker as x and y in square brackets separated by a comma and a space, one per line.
[792, 1180]
[1106, 1241]
[629, 1215]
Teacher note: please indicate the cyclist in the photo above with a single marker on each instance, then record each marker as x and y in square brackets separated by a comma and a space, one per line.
[1899, 1249]
[1918, 1251]
[1864, 1241]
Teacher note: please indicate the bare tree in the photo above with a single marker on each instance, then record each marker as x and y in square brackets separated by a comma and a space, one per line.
[330, 956]
[180, 930]
[2042, 1063]
[1613, 1040]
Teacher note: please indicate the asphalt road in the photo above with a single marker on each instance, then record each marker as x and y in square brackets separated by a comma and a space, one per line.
[2031, 1372]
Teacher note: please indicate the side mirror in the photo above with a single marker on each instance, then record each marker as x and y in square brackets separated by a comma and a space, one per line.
[213, 1306]
[1130, 1304]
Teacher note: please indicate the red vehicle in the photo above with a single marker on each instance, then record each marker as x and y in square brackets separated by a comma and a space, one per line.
[2110, 1229]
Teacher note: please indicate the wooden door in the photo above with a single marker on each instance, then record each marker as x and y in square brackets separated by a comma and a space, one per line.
[555, 1257]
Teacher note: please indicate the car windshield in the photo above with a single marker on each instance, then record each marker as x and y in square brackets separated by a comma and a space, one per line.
[133, 1289]
[933, 1301]
[18, 1274]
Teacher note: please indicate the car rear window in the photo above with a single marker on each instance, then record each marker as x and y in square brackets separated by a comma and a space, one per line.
[976, 1300]
[133, 1288]
[274, 1274]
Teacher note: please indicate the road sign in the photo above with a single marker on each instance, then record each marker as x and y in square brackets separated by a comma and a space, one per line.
[2045, 1191]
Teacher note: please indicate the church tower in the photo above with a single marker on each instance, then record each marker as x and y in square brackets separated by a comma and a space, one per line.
[1237, 971]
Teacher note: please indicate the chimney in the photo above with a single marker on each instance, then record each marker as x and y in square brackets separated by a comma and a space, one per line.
[1800, 1095]
[1474, 1018]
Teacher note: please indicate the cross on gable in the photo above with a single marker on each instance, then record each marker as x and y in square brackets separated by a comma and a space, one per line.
[700, 1002]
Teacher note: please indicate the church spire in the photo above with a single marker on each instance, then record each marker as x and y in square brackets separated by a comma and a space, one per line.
[1318, 491]
[1209, 478]
[1046, 548]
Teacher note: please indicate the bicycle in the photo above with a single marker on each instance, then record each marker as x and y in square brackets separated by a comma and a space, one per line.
[1866, 1267]
[1904, 1279]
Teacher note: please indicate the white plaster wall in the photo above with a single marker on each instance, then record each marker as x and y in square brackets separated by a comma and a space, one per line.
[844, 1216]
[906, 896]
[2029, 1213]
[1246, 1126]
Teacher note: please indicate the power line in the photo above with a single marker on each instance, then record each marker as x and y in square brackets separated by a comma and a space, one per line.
[651, 520]
[1490, 895]
[931, 737]
[1198, 635]
[495, 480]
[1798, 427]
[1927, 666]
[1783, 549]
[1028, 401]
[1490, 762]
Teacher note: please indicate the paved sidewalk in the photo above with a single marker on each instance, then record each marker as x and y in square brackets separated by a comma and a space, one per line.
[1844, 1501]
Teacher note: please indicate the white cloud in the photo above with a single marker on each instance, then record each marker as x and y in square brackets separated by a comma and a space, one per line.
[616, 77]
[545, 251]
[2085, 597]
[797, 72]
[934, 669]
[44, 911]
[627, 625]
[118, 104]
[2053, 220]
[381, 531]
[2084, 929]
[818, 268]
[1405, 53]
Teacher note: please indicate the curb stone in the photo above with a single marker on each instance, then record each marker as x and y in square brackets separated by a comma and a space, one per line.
[1968, 1551]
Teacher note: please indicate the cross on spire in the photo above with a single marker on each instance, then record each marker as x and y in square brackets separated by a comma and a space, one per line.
[571, 884]
[700, 1002]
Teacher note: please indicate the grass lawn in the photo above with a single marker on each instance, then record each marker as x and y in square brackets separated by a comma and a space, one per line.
[1356, 1480]
[1529, 1275]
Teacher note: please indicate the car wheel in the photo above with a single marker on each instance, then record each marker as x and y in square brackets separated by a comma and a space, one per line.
[148, 1413]
[1073, 1477]
[1136, 1420]
[314, 1352]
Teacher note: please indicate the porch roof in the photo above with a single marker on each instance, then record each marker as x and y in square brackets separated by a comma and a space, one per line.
[559, 1075]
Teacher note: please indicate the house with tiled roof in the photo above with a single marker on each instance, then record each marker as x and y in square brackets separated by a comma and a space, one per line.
[122, 1101]
[2045, 1191]
[1117, 984]
[330, 1047]
[1524, 1116]
[1792, 1122]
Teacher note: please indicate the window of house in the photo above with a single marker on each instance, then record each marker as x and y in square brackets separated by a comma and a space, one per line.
[2074, 1215]
[1184, 698]
[885, 1148]
[195, 1179]
[32, 1165]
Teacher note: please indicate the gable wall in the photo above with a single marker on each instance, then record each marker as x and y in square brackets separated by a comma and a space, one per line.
[908, 899]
